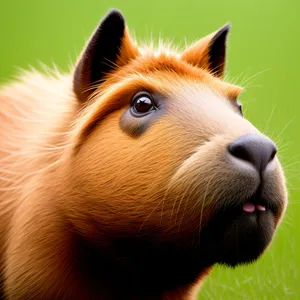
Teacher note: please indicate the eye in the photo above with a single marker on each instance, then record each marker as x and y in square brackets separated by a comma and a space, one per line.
[240, 107]
[142, 104]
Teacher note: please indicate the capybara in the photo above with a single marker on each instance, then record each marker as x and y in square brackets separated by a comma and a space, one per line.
[130, 177]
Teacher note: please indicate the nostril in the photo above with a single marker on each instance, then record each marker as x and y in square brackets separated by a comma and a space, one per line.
[239, 151]
[274, 152]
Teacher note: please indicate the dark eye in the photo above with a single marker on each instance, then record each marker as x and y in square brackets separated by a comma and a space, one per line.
[240, 107]
[142, 104]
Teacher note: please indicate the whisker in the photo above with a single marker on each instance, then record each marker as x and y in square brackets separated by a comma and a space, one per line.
[269, 119]
[284, 128]
[254, 76]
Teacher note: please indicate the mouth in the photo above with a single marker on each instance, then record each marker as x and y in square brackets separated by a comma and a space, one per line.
[250, 207]
[243, 231]
[252, 213]
[257, 204]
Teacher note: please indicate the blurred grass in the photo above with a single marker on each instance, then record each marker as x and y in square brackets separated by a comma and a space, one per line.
[263, 56]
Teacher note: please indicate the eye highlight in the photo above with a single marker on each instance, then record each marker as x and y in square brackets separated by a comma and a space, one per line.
[142, 104]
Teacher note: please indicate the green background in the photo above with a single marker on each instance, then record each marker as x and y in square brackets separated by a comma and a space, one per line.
[263, 56]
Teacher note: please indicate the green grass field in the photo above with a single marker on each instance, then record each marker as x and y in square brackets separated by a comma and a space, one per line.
[263, 56]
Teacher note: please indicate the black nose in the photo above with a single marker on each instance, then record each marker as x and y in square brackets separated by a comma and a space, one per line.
[254, 148]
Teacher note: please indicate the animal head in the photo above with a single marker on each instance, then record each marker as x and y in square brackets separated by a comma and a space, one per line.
[161, 152]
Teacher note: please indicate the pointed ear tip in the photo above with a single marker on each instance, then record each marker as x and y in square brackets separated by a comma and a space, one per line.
[222, 33]
[114, 11]
[115, 14]
[225, 29]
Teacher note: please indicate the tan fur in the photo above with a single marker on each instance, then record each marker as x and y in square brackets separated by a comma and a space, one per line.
[197, 54]
[68, 168]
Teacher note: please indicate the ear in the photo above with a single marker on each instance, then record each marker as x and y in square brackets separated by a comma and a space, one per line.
[209, 53]
[109, 47]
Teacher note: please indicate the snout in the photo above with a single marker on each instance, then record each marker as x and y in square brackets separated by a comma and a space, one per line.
[253, 153]
[254, 149]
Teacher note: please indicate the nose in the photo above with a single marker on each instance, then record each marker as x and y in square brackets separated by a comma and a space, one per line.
[255, 149]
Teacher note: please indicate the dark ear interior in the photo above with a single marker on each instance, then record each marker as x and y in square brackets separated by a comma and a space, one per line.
[217, 51]
[100, 55]
[209, 53]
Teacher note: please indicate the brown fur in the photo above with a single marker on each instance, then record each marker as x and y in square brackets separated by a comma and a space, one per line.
[76, 186]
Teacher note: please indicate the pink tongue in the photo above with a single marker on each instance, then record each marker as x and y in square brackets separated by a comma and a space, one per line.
[248, 207]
